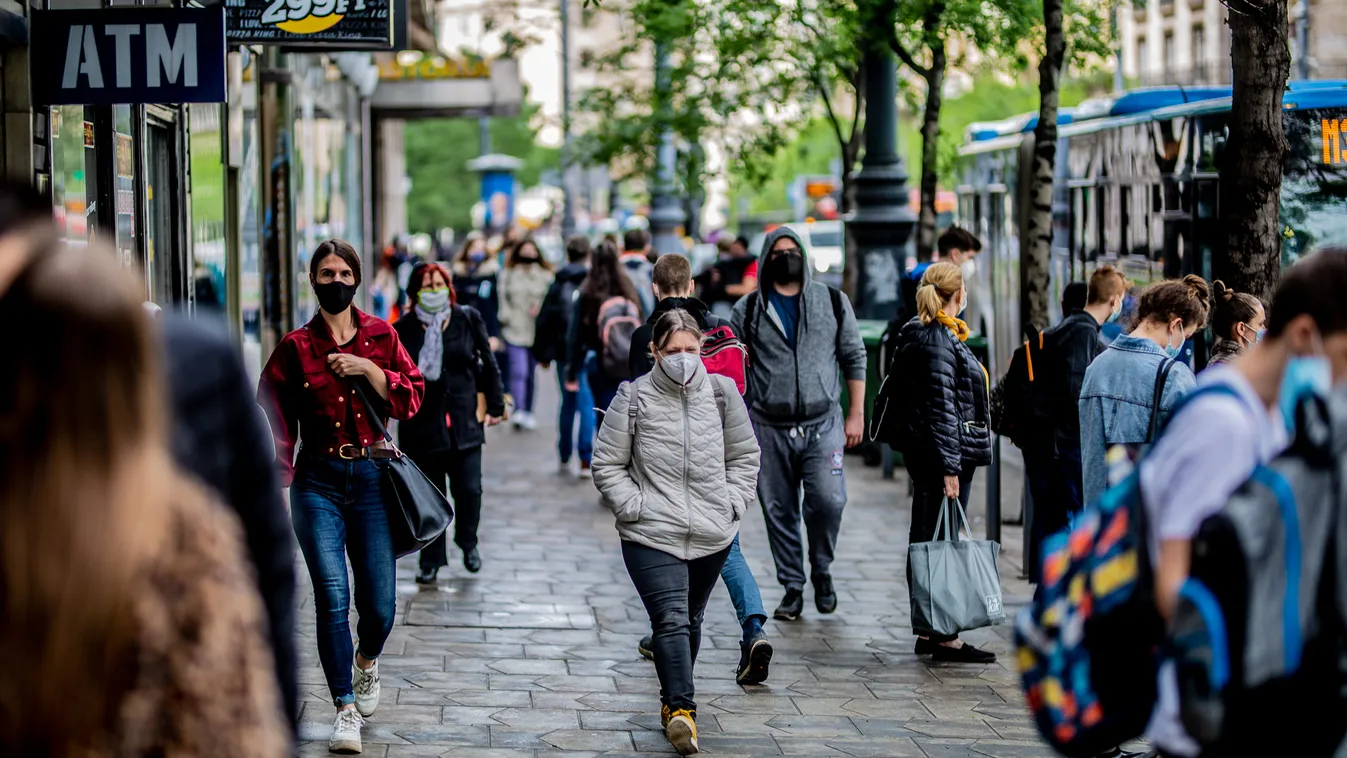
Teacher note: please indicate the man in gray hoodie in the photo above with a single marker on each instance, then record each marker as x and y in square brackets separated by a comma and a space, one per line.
[802, 342]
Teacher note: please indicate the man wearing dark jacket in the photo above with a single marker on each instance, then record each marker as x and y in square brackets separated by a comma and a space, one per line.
[1069, 348]
[554, 320]
[672, 286]
[802, 343]
[220, 436]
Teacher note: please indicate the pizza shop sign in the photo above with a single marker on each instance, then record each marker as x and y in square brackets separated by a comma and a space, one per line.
[328, 24]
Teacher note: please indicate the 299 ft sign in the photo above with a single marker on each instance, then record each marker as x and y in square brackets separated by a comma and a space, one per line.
[331, 24]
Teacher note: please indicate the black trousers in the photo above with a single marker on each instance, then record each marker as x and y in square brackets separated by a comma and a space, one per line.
[675, 593]
[463, 468]
[928, 492]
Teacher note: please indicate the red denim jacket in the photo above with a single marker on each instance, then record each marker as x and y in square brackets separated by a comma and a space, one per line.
[303, 397]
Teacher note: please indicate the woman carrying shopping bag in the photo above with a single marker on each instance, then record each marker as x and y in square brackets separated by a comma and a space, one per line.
[943, 426]
[677, 463]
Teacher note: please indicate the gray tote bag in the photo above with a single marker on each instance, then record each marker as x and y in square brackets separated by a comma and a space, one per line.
[956, 586]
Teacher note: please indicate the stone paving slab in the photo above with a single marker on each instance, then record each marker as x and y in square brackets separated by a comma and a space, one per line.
[535, 657]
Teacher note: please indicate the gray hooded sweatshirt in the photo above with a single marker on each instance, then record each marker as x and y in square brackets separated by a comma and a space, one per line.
[798, 385]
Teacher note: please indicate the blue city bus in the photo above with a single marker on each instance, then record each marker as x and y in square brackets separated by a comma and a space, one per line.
[1137, 186]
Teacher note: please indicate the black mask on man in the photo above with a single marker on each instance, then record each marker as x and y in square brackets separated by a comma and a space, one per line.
[334, 297]
[786, 268]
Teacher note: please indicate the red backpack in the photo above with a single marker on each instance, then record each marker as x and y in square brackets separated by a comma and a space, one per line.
[724, 354]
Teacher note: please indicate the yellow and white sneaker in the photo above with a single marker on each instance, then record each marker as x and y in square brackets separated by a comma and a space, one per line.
[681, 729]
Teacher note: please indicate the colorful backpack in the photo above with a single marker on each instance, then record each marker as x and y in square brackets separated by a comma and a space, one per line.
[724, 354]
[1089, 645]
[618, 321]
[1254, 636]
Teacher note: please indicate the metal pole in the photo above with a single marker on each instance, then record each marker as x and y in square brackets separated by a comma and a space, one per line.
[665, 214]
[1303, 41]
[883, 221]
[483, 135]
[567, 201]
[1118, 83]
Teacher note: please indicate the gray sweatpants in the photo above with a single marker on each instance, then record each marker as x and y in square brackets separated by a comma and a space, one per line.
[808, 457]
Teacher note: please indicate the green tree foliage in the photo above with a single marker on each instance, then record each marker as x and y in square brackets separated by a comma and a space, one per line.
[438, 150]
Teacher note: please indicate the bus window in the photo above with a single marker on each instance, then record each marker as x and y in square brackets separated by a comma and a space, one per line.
[1314, 185]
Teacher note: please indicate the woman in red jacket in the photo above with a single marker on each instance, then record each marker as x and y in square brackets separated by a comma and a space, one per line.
[309, 384]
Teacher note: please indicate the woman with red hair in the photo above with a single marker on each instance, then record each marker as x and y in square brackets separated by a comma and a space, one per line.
[449, 343]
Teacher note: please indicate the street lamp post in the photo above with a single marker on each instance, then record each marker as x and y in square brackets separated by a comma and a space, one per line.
[883, 221]
[665, 214]
[567, 201]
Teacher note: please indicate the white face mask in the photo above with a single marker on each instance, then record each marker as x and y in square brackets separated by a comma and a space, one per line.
[680, 367]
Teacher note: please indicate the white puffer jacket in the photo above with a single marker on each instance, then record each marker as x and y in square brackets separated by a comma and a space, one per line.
[683, 484]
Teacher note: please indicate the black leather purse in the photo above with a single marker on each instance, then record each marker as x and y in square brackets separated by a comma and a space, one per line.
[417, 511]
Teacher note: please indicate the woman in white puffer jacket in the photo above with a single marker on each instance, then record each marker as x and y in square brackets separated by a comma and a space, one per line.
[677, 462]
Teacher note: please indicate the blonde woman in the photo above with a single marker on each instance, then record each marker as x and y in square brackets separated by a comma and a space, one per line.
[943, 421]
[124, 586]
[677, 463]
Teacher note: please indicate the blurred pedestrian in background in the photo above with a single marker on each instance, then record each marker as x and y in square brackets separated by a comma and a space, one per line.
[677, 463]
[549, 346]
[125, 587]
[1118, 395]
[606, 281]
[1238, 320]
[523, 286]
[636, 263]
[943, 423]
[463, 392]
[312, 391]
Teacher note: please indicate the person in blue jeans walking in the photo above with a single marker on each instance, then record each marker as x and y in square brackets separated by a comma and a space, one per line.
[549, 346]
[672, 287]
[336, 504]
[584, 343]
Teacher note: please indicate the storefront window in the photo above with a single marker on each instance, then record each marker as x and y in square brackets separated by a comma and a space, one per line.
[73, 170]
[208, 209]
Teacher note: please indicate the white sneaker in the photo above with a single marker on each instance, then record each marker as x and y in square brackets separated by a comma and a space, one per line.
[346, 732]
[530, 423]
[367, 689]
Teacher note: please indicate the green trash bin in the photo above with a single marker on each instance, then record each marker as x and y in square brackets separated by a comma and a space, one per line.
[871, 333]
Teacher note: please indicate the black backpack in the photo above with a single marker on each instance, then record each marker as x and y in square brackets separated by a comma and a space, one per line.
[1019, 408]
[553, 321]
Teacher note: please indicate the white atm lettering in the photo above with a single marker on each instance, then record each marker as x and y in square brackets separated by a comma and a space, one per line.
[174, 61]
[82, 40]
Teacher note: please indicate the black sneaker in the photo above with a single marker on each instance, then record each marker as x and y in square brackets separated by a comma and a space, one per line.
[472, 560]
[965, 654]
[646, 647]
[792, 605]
[825, 597]
[755, 655]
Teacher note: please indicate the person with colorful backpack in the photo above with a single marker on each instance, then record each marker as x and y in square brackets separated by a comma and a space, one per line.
[722, 354]
[677, 463]
[604, 319]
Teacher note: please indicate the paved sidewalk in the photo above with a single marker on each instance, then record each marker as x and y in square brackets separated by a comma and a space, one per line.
[536, 655]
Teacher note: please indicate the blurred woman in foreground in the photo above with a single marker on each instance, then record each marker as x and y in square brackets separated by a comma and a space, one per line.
[124, 590]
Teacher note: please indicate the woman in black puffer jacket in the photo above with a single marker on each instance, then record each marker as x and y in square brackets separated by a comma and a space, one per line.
[941, 420]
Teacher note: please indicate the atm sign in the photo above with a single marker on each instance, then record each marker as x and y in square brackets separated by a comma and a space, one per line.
[1334, 131]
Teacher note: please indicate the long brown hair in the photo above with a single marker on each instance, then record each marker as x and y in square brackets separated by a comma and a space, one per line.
[606, 280]
[85, 477]
[1187, 299]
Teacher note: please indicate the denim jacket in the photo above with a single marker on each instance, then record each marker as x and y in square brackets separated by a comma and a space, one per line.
[1115, 403]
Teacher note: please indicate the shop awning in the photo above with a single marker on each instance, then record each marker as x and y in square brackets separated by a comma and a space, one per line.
[437, 87]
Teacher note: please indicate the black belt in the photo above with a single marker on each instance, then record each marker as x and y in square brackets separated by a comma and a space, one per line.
[349, 452]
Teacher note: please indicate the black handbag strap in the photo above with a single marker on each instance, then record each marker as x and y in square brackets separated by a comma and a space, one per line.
[1161, 375]
[374, 419]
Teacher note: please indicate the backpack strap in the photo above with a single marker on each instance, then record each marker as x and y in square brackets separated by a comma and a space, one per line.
[749, 326]
[720, 400]
[632, 408]
[1161, 376]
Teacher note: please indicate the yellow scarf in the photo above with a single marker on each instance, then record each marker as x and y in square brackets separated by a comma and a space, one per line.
[959, 328]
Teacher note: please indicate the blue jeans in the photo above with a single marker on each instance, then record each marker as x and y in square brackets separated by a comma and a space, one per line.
[337, 509]
[572, 403]
[601, 385]
[743, 588]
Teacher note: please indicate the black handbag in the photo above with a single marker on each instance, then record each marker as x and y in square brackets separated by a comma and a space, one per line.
[417, 511]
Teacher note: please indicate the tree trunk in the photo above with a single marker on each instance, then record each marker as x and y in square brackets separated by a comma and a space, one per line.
[1034, 265]
[850, 153]
[930, 152]
[1251, 177]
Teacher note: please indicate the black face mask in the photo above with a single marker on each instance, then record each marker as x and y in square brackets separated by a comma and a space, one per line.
[334, 297]
[787, 268]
